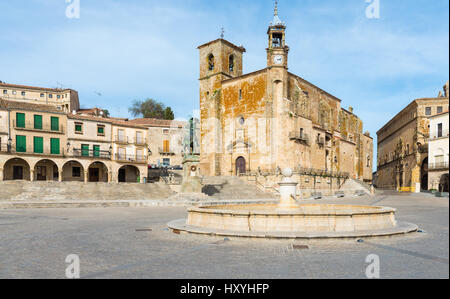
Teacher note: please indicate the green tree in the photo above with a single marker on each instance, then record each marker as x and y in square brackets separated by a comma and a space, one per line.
[151, 109]
[168, 114]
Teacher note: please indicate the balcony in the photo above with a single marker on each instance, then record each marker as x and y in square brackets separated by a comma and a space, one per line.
[140, 142]
[437, 135]
[438, 166]
[320, 141]
[166, 152]
[298, 136]
[12, 149]
[46, 128]
[122, 140]
[130, 158]
[84, 153]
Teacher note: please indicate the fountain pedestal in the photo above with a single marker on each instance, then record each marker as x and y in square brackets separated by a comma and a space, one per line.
[288, 192]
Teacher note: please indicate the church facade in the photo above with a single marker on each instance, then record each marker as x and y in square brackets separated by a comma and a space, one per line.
[271, 119]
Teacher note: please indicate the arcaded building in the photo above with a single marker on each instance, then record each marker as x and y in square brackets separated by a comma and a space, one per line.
[270, 119]
[403, 145]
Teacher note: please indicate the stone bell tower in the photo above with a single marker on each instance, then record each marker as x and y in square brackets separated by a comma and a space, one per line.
[219, 60]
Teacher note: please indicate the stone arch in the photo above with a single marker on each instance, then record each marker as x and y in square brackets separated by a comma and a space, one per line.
[231, 63]
[45, 170]
[211, 63]
[16, 168]
[73, 171]
[98, 172]
[129, 174]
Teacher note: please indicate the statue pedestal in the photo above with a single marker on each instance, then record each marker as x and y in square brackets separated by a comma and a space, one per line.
[191, 188]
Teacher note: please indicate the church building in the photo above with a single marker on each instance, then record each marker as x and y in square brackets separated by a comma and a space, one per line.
[270, 119]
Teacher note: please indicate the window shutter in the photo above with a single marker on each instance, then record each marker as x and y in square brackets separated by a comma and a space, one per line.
[38, 122]
[38, 145]
[21, 144]
[54, 146]
[20, 119]
[55, 123]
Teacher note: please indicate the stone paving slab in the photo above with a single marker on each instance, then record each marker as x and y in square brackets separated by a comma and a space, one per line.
[110, 242]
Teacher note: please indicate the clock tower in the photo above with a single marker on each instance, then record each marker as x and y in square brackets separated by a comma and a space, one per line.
[277, 52]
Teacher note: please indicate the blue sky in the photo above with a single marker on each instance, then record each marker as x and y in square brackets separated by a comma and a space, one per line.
[134, 49]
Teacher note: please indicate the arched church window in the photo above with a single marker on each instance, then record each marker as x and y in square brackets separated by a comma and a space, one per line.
[231, 63]
[211, 62]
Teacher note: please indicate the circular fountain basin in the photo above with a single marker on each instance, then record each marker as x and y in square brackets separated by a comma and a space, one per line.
[306, 221]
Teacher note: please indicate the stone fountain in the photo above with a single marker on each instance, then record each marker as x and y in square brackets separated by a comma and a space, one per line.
[288, 219]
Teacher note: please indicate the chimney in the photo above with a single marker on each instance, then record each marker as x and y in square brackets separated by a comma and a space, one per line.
[350, 109]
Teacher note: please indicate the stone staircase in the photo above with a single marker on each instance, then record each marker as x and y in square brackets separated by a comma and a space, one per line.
[227, 188]
[66, 191]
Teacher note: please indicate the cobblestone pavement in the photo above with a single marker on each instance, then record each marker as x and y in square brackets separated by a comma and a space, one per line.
[134, 243]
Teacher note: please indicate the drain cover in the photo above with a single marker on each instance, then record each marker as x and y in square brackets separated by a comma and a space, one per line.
[144, 230]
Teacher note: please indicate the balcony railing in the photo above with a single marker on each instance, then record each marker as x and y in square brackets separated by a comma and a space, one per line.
[131, 158]
[166, 151]
[91, 153]
[46, 127]
[122, 140]
[435, 135]
[299, 136]
[12, 149]
[438, 166]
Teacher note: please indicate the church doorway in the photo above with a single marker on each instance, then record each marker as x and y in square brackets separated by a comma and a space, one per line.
[240, 166]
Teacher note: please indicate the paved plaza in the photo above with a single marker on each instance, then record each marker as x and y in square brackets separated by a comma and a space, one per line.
[135, 243]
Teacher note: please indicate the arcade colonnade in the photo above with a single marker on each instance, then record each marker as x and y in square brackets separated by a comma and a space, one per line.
[69, 170]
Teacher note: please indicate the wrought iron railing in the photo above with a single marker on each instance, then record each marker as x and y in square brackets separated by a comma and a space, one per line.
[131, 158]
[88, 153]
[438, 166]
[44, 127]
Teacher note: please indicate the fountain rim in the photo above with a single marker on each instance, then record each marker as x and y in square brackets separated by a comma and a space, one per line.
[221, 210]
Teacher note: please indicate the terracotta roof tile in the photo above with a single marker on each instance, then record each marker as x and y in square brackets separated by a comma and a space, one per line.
[34, 87]
[8, 105]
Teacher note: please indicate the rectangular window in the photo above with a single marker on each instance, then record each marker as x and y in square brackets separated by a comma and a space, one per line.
[100, 130]
[78, 128]
[85, 150]
[76, 172]
[166, 162]
[428, 111]
[439, 109]
[5, 91]
[54, 146]
[50, 96]
[37, 122]
[14, 92]
[42, 95]
[96, 150]
[58, 97]
[20, 120]
[439, 132]
[21, 144]
[38, 145]
[121, 136]
[54, 123]
[23, 93]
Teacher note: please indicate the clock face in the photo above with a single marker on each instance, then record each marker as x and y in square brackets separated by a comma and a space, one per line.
[278, 59]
